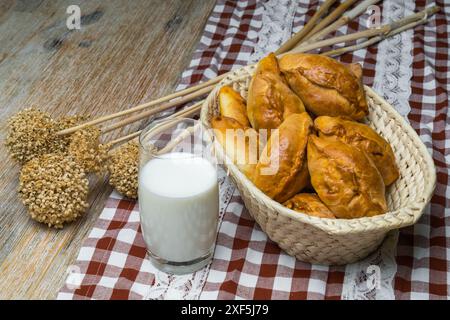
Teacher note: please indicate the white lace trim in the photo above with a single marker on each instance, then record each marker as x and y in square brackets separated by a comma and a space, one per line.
[188, 287]
[372, 277]
[277, 21]
[394, 65]
[177, 287]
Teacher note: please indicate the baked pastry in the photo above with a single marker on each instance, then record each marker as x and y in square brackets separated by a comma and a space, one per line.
[282, 169]
[241, 144]
[326, 86]
[309, 204]
[345, 178]
[270, 100]
[269, 64]
[365, 138]
[232, 105]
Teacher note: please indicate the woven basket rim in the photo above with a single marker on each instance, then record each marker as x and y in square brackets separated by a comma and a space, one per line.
[399, 218]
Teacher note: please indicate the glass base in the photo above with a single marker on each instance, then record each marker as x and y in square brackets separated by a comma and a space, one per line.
[179, 267]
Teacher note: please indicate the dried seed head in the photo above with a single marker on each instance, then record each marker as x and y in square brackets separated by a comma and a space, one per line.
[123, 169]
[32, 133]
[54, 189]
[86, 149]
[68, 122]
[29, 132]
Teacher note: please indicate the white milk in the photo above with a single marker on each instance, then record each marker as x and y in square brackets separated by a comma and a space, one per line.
[179, 206]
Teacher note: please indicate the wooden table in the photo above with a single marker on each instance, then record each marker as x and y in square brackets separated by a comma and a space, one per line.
[126, 52]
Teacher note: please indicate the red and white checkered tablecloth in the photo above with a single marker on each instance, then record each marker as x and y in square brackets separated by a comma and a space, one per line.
[246, 265]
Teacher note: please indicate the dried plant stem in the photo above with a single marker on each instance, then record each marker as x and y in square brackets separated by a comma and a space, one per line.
[194, 93]
[422, 15]
[373, 40]
[189, 111]
[381, 32]
[125, 138]
[345, 38]
[330, 18]
[299, 36]
[174, 142]
[149, 113]
[346, 18]
[185, 113]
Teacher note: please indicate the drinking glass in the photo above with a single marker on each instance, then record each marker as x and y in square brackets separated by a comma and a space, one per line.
[178, 194]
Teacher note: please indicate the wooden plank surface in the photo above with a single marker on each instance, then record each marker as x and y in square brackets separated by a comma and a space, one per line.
[126, 53]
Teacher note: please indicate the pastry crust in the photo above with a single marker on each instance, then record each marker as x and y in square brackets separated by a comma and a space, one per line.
[241, 144]
[270, 100]
[268, 64]
[310, 204]
[326, 86]
[282, 172]
[232, 105]
[366, 139]
[345, 179]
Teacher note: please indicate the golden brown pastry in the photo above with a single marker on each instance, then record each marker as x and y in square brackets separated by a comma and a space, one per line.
[326, 86]
[241, 144]
[357, 70]
[345, 178]
[310, 204]
[269, 64]
[232, 105]
[365, 138]
[270, 100]
[282, 169]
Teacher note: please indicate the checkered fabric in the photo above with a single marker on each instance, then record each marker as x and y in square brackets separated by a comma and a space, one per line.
[246, 265]
[423, 250]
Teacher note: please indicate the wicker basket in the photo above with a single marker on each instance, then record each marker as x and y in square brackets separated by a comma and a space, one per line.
[340, 241]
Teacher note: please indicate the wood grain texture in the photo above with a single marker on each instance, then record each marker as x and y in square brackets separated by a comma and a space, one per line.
[126, 53]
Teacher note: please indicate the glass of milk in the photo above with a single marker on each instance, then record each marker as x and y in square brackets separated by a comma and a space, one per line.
[178, 194]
